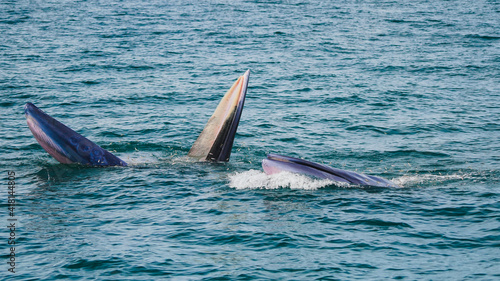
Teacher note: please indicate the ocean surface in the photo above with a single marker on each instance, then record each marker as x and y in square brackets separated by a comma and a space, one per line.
[405, 90]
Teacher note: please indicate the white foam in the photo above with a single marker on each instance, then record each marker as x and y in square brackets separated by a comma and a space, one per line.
[254, 179]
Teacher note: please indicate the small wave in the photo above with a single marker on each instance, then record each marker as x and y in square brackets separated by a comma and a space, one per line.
[141, 159]
[254, 179]
[483, 37]
[412, 180]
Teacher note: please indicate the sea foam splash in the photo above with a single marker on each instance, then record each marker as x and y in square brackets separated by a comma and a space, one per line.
[254, 179]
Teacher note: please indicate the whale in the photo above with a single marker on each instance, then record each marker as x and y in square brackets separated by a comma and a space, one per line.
[215, 142]
[64, 144]
[275, 163]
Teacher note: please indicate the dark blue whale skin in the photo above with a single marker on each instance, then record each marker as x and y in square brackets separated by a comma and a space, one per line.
[64, 144]
[277, 163]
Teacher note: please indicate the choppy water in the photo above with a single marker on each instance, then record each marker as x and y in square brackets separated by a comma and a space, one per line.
[405, 90]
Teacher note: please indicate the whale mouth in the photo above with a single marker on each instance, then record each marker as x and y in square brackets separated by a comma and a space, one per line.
[64, 144]
[278, 163]
[216, 140]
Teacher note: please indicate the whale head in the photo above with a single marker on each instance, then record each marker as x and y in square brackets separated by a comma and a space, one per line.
[278, 163]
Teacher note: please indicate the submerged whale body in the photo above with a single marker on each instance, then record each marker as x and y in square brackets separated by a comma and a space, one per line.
[64, 144]
[278, 163]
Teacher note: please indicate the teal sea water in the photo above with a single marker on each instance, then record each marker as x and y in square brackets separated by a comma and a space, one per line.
[405, 90]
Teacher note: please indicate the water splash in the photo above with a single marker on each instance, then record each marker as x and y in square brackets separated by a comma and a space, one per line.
[254, 179]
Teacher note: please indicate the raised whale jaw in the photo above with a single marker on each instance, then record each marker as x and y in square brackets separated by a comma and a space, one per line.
[216, 140]
[278, 163]
[214, 143]
[64, 144]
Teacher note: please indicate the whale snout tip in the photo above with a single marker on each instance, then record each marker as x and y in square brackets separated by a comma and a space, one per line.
[28, 107]
[269, 167]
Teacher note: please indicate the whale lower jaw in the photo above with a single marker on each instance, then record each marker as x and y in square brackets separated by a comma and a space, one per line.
[216, 140]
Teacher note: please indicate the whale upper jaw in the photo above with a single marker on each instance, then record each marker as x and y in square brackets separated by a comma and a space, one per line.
[64, 144]
[216, 140]
[278, 163]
